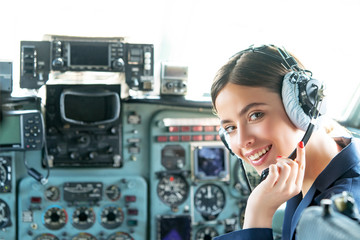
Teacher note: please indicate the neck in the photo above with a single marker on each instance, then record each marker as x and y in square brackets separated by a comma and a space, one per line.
[320, 150]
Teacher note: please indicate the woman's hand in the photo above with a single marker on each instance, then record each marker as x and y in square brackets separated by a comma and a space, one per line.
[284, 181]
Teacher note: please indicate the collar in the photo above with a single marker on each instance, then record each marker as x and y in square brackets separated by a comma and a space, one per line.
[347, 158]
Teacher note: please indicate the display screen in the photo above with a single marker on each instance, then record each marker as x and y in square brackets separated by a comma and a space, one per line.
[90, 108]
[174, 227]
[10, 131]
[210, 162]
[89, 54]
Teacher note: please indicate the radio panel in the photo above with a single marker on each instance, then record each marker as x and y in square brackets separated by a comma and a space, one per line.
[87, 55]
[73, 54]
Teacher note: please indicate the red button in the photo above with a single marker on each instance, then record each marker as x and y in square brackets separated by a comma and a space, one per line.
[161, 138]
[185, 129]
[197, 138]
[173, 129]
[197, 128]
[174, 138]
[209, 137]
[185, 138]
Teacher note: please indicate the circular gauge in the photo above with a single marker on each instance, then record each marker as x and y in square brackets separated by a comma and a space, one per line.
[173, 189]
[3, 174]
[83, 218]
[209, 200]
[113, 192]
[112, 217]
[55, 218]
[206, 233]
[84, 236]
[120, 236]
[4, 214]
[52, 193]
[46, 236]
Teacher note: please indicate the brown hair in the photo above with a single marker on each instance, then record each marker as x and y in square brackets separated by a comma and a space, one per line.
[252, 68]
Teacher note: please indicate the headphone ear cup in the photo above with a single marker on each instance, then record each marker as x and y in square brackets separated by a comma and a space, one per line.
[290, 98]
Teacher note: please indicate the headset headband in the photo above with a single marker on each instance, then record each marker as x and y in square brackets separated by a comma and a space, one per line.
[286, 60]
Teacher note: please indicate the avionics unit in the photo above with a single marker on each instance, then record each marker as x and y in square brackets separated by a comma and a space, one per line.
[83, 125]
[21, 130]
[75, 54]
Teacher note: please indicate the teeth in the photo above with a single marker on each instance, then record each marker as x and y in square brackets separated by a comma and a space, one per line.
[258, 154]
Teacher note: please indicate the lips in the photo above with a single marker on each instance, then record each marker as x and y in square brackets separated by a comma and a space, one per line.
[258, 157]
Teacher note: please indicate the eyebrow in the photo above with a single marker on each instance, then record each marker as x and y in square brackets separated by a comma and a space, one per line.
[244, 110]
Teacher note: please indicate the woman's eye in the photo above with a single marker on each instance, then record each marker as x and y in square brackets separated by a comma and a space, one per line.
[229, 129]
[255, 116]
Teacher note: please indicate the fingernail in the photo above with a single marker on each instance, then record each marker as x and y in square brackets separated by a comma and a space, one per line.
[301, 144]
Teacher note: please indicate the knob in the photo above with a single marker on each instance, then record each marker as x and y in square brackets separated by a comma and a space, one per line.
[93, 155]
[58, 63]
[74, 155]
[118, 64]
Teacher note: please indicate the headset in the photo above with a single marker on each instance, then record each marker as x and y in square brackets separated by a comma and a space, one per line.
[302, 96]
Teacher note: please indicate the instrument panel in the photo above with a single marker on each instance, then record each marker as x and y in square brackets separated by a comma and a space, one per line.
[176, 181]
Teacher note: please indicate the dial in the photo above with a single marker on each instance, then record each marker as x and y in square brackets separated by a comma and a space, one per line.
[5, 174]
[120, 236]
[112, 217]
[209, 200]
[52, 193]
[83, 236]
[206, 233]
[173, 189]
[113, 192]
[46, 236]
[4, 214]
[83, 218]
[55, 217]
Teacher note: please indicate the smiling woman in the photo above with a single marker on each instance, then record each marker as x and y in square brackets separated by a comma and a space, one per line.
[261, 128]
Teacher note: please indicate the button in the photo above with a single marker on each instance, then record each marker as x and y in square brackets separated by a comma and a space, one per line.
[197, 128]
[174, 138]
[209, 128]
[173, 129]
[185, 128]
[130, 198]
[133, 211]
[185, 138]
[132, 223]
[209, 137]
[161, 138]
[197, 138]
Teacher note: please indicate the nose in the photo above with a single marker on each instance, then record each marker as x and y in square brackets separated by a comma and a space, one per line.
[242, 139]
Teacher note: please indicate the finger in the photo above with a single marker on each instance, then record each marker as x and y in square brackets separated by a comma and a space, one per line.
[300, 159]
[284, 172]
[273, 175]
[293, 169]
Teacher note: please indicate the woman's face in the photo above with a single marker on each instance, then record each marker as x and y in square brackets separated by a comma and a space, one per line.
[257, 124]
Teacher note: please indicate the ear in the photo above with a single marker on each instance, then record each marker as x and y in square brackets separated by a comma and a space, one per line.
[298, 100]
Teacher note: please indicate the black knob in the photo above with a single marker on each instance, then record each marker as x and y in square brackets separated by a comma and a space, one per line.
[58, 63]
[118, 64]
